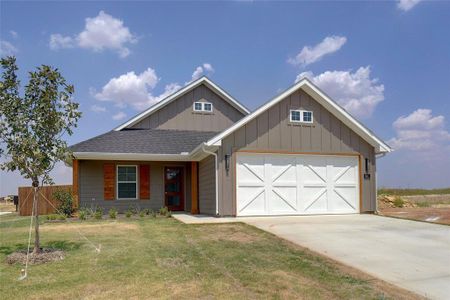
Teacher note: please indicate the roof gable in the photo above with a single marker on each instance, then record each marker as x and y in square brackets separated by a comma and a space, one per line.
[203, 80]
[321, 98]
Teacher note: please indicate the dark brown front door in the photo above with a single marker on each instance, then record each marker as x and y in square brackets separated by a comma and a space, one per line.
[173, 188]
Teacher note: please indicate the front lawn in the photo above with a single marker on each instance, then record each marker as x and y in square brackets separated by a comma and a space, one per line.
[163, 258]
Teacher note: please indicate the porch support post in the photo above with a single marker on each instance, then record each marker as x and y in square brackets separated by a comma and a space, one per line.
[194, 187]
[75, 183]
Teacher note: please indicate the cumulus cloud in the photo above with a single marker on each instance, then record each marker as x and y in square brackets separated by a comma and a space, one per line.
[357, 92]
[138, 90]
[406, 5]
[311, 54]
[421, 132]
[100, 33]
[205, 68]
[7, 49]
[97, 108]
[58, 41]
[119, 116]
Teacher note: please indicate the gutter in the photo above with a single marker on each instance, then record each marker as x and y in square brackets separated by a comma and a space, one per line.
[217, 177]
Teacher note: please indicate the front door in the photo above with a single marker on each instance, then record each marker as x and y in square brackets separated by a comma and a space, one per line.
[173, 188]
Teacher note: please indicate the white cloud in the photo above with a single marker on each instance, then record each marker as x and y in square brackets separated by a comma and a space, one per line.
[119, 116]
[356, 92]
[406, 5]
[310, 54]
[130, 89]
[137, 90]
[97, 108]
[421, 132]
[200, 70]
[13, 34]
[58, 41]
[7, 49]
[100, 33]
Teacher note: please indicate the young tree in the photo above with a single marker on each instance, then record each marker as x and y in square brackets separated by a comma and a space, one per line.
[32, 126]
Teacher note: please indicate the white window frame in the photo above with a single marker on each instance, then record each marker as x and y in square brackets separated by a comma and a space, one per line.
[202, 104]
[301, 116]
[117, 182]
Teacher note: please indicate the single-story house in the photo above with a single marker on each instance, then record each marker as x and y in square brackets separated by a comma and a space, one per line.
[199, 150]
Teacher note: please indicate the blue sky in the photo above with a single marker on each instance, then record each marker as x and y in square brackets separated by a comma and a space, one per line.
[388, 63]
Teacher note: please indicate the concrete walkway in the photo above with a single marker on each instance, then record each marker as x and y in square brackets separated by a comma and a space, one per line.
[409, 254]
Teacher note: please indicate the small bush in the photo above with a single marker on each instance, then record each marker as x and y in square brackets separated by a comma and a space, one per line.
[169, 214]
[142, 214]
[163, 211]
[98, 214]
[112, 213]
[64, 201]
[82, 214]
[398, 202]
[61, 217]
[146, 211]
[128, 213]
[153, 213]
[54, 217]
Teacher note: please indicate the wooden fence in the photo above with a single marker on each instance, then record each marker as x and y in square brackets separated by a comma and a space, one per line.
[45, 195]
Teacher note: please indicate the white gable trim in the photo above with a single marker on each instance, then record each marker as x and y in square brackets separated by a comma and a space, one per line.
[324, 100]
[181, 92]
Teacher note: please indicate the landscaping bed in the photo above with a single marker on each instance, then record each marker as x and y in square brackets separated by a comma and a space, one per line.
[159, 257]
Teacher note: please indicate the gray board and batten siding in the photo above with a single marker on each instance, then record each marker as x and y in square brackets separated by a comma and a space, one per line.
[272, 131]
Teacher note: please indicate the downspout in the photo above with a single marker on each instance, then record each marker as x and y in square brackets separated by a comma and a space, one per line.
[217, 177]
[380, 155]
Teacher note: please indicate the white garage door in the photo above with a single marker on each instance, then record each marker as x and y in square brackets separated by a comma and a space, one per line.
[276, 184]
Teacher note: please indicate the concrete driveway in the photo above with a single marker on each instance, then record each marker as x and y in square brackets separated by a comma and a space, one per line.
[412, 255]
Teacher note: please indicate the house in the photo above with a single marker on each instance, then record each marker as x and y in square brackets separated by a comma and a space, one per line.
[199, 150]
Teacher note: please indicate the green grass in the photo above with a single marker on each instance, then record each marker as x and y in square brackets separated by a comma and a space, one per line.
[413, 192]
[163, 258]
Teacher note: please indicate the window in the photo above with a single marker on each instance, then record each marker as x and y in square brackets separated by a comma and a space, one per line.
[207, 106]
[295, 116]
[126, 182]
[198, 106]
[203, 106]
[307, 116]
[301, 116]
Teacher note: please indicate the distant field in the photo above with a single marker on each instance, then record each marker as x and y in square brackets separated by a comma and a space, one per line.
[413, 192]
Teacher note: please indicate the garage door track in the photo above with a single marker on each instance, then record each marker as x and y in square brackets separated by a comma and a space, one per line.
[412, 255]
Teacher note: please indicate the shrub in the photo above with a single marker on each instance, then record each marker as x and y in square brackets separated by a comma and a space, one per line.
[82, 214]
[64, 201]
[128, 213]
[169, 214]
[98, 214]
[153, 213]
[163, 211]
[142, 214]
[146, 211]
[112, 213]
[398, 202]
[54, 217]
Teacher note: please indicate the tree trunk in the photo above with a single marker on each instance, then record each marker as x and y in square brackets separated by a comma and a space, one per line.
[37, 248]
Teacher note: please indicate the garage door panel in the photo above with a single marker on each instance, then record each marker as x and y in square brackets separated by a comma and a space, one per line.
[296, 184]
[283, 200]
[252, 201]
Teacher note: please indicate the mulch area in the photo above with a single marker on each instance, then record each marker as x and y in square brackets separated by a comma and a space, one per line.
[46, 255]
[428, 214]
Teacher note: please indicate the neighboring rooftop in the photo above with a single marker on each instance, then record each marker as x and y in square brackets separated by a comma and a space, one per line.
[153, 141]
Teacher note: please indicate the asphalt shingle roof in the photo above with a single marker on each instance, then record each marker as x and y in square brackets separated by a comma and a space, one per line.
[154, 141]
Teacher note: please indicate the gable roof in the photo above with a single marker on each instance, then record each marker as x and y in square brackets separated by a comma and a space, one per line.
[324, 100]
[141, 141]
[202, 80]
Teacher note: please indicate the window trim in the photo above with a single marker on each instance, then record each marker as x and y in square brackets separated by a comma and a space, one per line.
[135, 182]
[202, 104]
[301, 111]
[312, 116]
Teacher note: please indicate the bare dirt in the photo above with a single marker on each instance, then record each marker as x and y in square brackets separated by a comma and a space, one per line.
[427, 214]
[45, 256]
